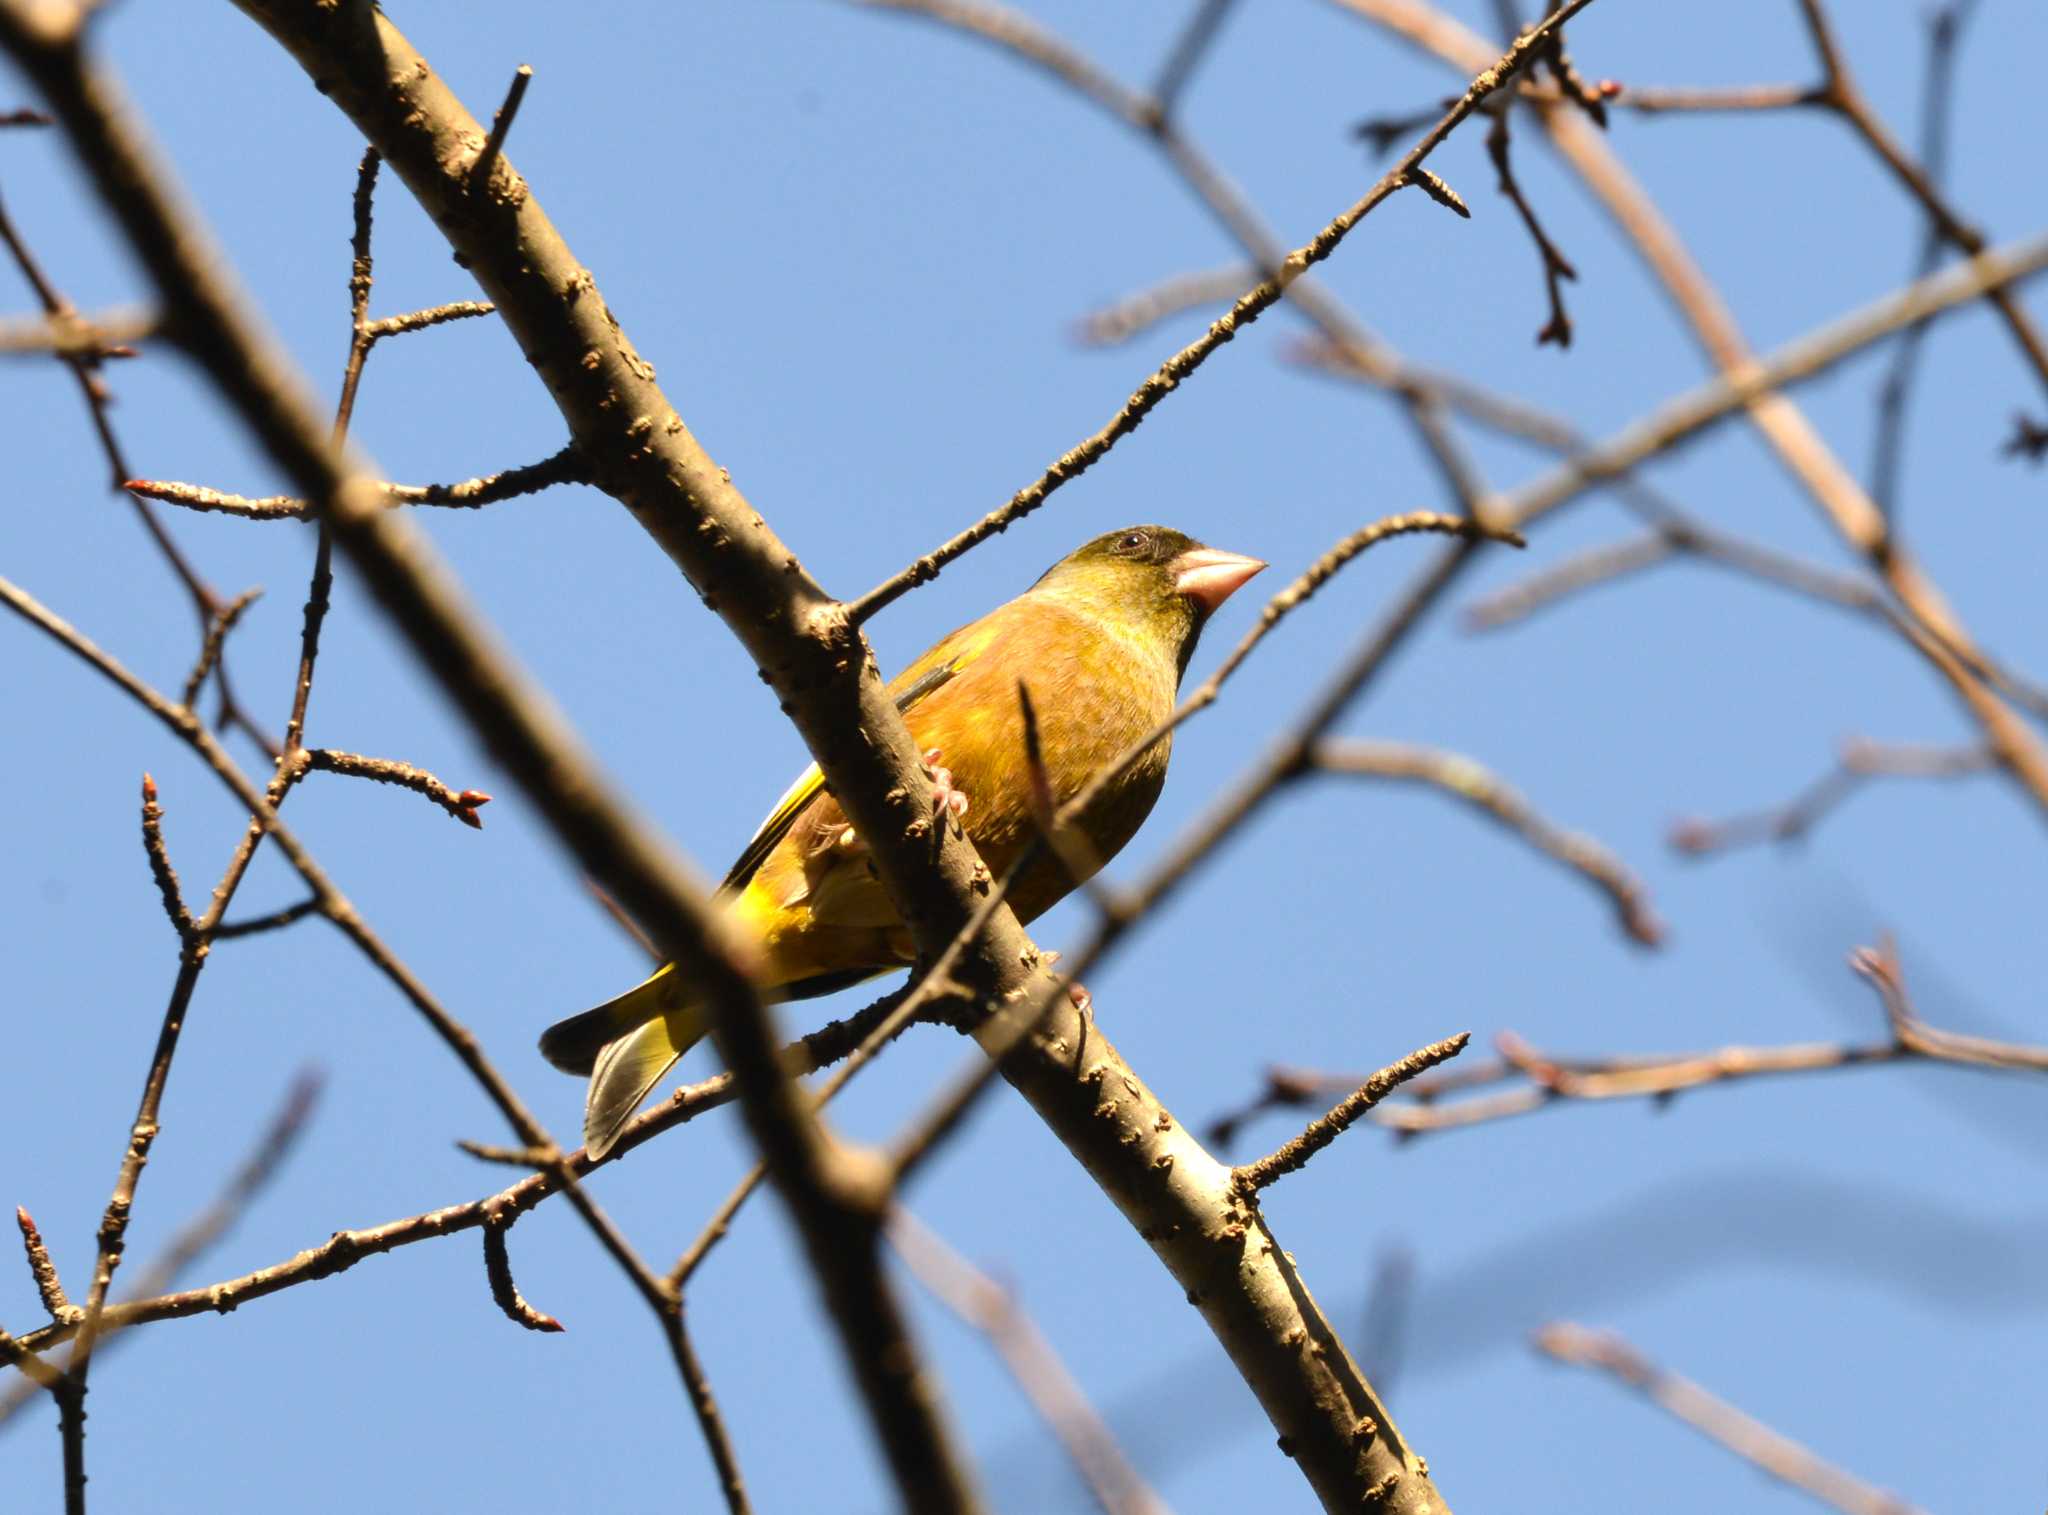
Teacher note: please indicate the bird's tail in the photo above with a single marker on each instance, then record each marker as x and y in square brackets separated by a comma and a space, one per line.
[625, 1045]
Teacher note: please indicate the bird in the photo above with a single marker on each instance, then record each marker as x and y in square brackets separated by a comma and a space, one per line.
[1097, 646]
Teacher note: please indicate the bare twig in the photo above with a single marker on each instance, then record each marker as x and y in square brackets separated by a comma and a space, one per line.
[623, 921]
[347, 1248]
[160, 868]
[84, 368]
[1588, 98]
[498, 1269]
[992, 1309]
[460, 803]
[1187, 52]
[1661, 1078]
[1673, 533]
[197, 1234]
[433, 315]
[1523, 1079]
[38, 1373]
[1746, 1437]
[1860, 761]
[1556, 267]
[1434, 187]
[1653, 100]
[274, 920]
[1291, 1158]
[69, 335]
[1457, 775]
[49, 1287]
[1879, 967]
[564, 467]
[501, 124]
[216, 638]
[266, 1155]
[1944, 31]
[1118, 323]
[1841, 94]
[1681, 419]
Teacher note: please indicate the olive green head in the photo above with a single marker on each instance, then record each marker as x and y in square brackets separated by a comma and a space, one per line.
[1151, 577]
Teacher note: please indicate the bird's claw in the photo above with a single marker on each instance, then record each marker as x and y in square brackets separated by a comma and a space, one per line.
[946, 800]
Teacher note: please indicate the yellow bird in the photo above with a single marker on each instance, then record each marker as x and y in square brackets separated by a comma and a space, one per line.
[1100, 642]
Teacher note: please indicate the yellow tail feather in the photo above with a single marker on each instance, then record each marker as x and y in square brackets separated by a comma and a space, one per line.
[627, 1070]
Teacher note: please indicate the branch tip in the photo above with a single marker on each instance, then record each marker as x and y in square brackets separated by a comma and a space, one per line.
[1433, 186]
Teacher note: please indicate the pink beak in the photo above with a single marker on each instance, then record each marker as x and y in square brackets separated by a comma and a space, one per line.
[1209, 575]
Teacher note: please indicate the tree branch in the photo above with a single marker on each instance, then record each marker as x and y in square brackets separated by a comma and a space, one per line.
[1748, 1438]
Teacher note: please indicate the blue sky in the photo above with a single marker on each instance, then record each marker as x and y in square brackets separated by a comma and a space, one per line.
[854, 247]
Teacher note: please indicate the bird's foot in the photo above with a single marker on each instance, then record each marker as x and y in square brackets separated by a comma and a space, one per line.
[946, 800]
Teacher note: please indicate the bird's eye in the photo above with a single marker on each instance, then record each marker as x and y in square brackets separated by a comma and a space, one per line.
[1133, 541]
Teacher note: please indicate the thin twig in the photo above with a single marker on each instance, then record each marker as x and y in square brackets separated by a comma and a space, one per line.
[198, 1234]
[992, 1309]
[1114, 324]
[501, 124]
[1841, 93]
[1549, 1079]
[460, 803]
[84, 369]
[1457, 775]
[433, 315]
[344, 1249]
[1681, 419]
[49, 1287]
[1879, 967]
[1944, 31]
[623, 921]
[275, 920]
[1291, 1158]
[1556, 267]
[216, 638]
[1654, 100]
[160, 868]
[498, 1269]
[1860, 761]
[1588, 98]
[1186, 53]
[563, 467]
[70, 335]
[1745, 1436]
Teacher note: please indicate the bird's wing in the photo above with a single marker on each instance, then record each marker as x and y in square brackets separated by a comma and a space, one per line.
[930, 672]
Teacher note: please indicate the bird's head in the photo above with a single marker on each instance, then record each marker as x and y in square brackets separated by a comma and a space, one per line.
[1153, 577]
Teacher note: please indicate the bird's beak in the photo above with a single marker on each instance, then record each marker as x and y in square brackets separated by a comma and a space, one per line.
[1209, 575]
